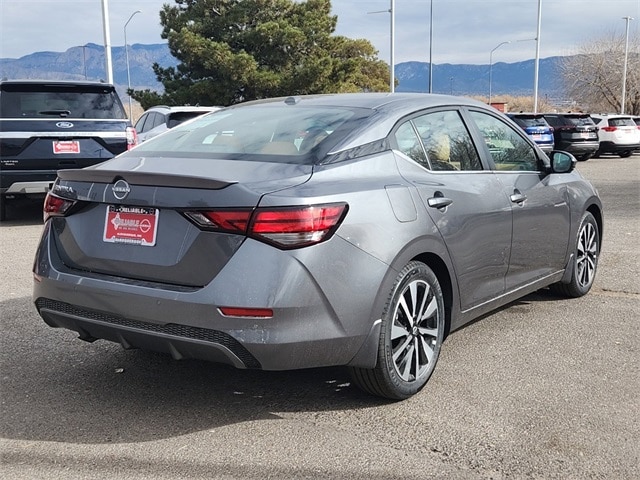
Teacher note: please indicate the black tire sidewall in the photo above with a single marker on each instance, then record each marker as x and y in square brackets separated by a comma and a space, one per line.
[580, 289]
[412, 271]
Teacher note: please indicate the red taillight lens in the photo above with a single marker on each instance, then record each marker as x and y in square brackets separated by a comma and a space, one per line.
[55, 206]
[284, 227]
[231, 221]
[609, 129]
[132, 137]
[294, 227]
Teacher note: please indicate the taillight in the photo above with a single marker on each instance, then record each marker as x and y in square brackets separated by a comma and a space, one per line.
[132, 137]
[609, 129]
[294, 227]
[283, 227]
[230, 221]
[55, 206]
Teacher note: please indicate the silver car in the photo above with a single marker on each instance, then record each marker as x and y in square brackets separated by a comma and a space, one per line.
[351, 229]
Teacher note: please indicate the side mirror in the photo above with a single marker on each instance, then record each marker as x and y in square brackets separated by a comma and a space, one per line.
[562, 162]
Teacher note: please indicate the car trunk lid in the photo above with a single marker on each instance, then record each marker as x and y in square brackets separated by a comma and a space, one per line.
[134, 223]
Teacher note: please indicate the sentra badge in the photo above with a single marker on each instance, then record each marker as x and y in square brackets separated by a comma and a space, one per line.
[120, 189]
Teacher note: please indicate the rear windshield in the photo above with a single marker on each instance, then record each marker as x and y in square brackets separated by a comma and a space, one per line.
[531, 121]
[622, 122]
[572, 120]
[287, 134]
[60, 101]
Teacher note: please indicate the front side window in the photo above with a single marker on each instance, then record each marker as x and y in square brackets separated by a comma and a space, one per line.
[508, 149]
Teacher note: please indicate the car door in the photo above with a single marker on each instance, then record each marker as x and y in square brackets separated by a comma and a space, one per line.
[539, 201]
[462, 197]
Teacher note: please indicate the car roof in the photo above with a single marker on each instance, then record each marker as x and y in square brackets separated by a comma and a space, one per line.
[524, 114]
[55, 83]
[182, 108]
[610, 115]
[397, 103]
[567, 114]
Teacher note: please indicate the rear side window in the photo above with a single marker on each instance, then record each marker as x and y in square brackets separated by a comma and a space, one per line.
[60, 101]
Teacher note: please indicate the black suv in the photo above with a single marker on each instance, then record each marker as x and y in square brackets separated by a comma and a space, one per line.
[575, 133]
[48, 126]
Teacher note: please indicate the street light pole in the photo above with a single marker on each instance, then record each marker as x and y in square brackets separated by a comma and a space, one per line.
[392, 12]
[491, 65]
[537, 63]
[431, 48]
[107, 41]
[624, 70]
[126, 55]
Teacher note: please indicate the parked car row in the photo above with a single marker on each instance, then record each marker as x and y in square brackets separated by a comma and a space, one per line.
[582, 134]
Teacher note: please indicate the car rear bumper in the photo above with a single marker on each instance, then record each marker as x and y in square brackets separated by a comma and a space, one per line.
[308, 328]
[26, 183]
[611, 147]
[577, 147]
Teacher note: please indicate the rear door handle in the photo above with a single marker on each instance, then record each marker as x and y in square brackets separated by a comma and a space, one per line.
[439, 202]
[518, 197]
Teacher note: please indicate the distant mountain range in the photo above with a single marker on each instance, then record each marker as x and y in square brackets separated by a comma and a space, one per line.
[88, 62]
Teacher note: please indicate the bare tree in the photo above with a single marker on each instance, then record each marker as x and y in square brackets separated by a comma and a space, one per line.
[593, 75]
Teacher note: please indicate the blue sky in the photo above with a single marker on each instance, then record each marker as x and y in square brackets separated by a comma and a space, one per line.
[464, 31]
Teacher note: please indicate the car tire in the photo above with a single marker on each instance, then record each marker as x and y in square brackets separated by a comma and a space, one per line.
[412, 332]
[585, 260]
[598, 154]
[585, 157]
[625, 154]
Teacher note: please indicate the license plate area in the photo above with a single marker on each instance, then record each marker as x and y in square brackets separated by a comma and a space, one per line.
[66, 146]
[131, 225]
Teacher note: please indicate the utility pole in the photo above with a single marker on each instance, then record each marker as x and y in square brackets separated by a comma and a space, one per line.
[107, 41]
[624, 70]
[537, 64]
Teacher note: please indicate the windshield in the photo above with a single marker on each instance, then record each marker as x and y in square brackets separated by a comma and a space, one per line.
[286, 132]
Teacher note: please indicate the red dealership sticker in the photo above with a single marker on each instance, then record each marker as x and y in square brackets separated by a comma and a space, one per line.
[66, 146]
[133, 225]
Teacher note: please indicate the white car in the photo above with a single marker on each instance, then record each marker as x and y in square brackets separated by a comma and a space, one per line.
[619, 134]
[161, 118]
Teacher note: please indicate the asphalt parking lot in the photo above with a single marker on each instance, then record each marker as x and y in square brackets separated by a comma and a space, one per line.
[544, 388]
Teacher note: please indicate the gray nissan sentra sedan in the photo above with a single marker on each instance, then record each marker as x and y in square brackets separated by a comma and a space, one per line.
[351, 229]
